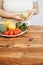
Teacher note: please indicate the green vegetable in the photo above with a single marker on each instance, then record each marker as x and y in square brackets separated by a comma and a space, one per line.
[19, 24]
[22, 26]
[2, 28]
[1, 33]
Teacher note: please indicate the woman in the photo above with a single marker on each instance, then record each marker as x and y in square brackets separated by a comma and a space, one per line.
[12, 8]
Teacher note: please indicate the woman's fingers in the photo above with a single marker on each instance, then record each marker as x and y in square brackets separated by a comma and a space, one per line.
[29, 16]
[18, 18]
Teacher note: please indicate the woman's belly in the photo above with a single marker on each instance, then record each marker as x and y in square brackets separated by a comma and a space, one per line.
[17, 5]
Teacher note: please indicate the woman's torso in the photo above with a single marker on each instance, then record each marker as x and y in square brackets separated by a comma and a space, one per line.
[17, 5]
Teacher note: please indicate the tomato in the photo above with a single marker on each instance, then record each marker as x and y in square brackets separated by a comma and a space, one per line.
[6, 33]
[17, 31]
[10, 32]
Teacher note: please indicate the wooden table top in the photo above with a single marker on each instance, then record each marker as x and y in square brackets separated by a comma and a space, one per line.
[26, 49]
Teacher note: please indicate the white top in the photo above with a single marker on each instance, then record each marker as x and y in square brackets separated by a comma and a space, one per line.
[17, 5]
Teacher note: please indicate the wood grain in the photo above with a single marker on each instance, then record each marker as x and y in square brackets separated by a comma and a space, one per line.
[26, 49]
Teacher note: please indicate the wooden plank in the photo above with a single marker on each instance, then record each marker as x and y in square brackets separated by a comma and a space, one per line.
[26, 49]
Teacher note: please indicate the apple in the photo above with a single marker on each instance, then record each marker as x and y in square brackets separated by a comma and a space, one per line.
[24, 14]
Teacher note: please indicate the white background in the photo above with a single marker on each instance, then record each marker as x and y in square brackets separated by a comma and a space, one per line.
[38, 19]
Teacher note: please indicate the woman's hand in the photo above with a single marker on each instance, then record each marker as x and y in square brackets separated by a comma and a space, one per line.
[31, 13]
[17, 17]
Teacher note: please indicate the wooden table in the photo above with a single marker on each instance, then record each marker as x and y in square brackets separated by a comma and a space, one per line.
[26, 49]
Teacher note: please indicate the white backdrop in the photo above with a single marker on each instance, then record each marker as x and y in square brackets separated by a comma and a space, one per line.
[38, 19]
